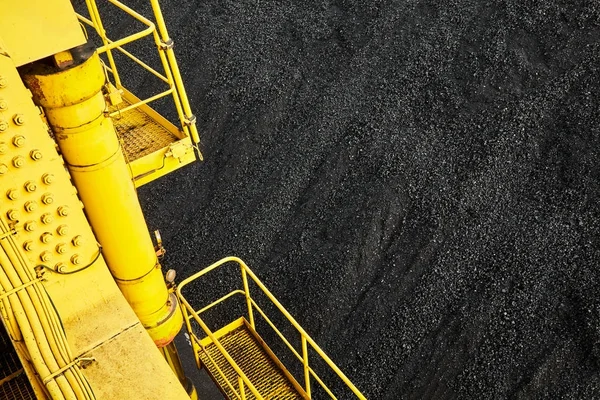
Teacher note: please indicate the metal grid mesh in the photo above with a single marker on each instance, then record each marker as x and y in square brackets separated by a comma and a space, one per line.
[262, 371]
[17, 387]
[141, 135]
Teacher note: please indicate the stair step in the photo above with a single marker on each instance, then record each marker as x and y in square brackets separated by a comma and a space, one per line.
[254, 358]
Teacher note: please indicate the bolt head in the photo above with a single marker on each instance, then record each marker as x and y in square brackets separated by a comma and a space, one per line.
[76, 259]
[45, 256]
[35, 155]
[46, 237]
[61, 248]
[77, 241]
[47, 179]
[31, 206]
[30, 186]
[12, 194]
[47, 218]
[18, 161]
[12, 215]
[19, 119]
[62, 230]
[47, 198]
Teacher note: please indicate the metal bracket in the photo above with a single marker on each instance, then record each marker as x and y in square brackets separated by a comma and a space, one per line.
[190, 120]
[4, 235]
[166, 45]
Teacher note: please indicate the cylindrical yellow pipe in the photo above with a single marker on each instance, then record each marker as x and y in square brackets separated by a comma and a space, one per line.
[75, 108]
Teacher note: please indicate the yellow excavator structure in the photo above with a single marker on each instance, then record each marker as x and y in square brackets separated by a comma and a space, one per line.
[86, 310]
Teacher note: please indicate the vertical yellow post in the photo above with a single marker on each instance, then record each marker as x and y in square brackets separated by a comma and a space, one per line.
[75, 109]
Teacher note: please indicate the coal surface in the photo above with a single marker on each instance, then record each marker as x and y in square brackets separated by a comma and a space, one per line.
[417, 181]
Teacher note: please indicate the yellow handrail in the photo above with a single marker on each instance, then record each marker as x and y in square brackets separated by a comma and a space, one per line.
[251, 304]
[171, 77]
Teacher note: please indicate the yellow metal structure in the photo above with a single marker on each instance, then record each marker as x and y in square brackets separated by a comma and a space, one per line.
[227, 367]
[66, 316]
[153, 145]
[74, 106]
[32, 30]
[83, 300]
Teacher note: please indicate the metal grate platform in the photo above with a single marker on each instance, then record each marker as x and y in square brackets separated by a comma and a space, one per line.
[141, 134]
[254, 360]
[13, 380]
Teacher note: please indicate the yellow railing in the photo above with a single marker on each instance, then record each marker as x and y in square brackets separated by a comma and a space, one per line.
[306, 341]
[171, 76]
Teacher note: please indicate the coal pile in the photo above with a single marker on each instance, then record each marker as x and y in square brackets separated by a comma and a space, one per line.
[417, 181]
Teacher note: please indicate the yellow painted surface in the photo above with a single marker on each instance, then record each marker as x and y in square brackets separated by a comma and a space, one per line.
[39, 202]
[74, 106]
[34, 29]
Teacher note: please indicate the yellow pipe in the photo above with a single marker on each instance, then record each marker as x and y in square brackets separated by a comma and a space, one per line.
[75, 108]
[29, 285]
[40, 326]
[28, 332]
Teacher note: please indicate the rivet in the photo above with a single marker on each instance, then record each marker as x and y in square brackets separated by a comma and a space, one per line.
[46, 237]
[3, 104]
[30, 226]
[3, 148]
[18, 161]
[45, 256]
[30, 186]
[35, 155]
[3, 82]
[47, 198]
[77, 240]
[3, 125]
[63, 211]
[47, 179]
[62, 230]
[31, 206]
[76, 259]
[12, 215]
[12, 194]
[19, 119]
[3, 169]
[28, 245]
[47, 218]
[19, 141]
[61, 248]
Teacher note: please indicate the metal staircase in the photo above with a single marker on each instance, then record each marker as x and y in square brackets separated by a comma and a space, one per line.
[237, 358]
[255, 359]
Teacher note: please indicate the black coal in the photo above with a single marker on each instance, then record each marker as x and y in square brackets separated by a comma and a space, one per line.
[417, 181]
